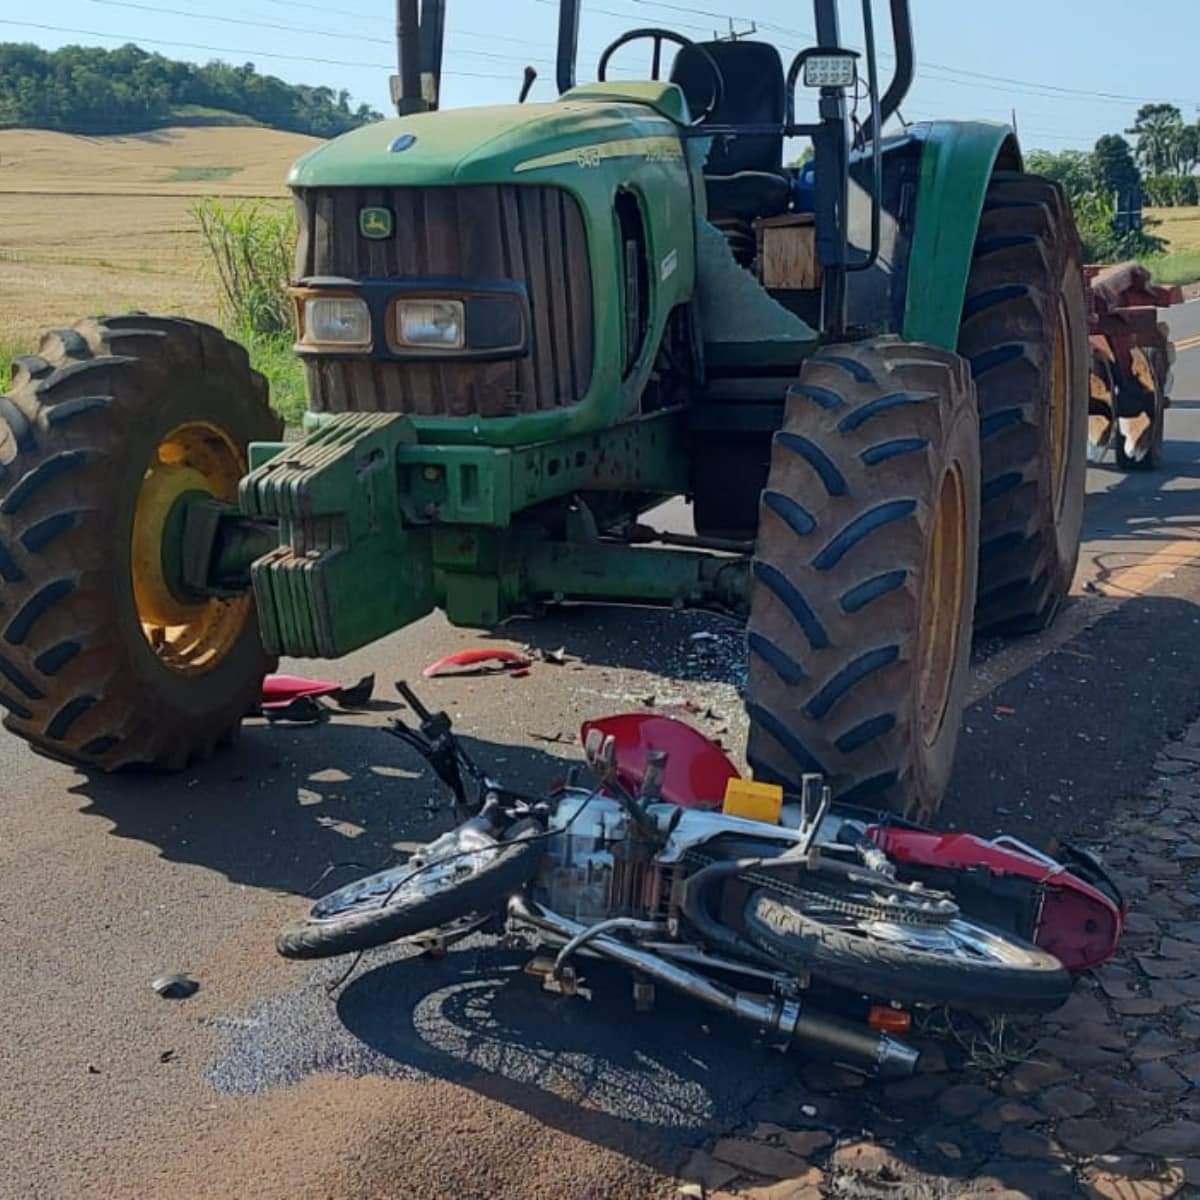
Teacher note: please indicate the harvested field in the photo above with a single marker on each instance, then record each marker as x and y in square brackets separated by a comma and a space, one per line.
[90, 223]
[1179, 227]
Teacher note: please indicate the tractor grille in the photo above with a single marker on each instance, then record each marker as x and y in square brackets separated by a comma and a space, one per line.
[534, 235]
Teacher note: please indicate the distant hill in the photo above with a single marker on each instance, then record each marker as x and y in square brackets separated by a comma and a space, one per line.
[239, 160]
[91, 90]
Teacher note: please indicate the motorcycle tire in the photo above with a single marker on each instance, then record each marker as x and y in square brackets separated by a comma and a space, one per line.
[1020, 978]
[326, 934]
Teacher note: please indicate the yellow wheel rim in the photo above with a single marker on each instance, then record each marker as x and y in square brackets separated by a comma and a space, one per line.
[942, 605]
[189, 637]
[1060, 408]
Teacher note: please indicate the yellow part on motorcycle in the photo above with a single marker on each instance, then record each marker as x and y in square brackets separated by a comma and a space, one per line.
[752, 800]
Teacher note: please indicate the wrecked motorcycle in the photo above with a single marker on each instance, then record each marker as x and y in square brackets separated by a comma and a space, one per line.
[780, 910]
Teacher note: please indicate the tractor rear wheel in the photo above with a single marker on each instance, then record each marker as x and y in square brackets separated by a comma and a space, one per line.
[1024, 331]
[863, 581]
[101, 663]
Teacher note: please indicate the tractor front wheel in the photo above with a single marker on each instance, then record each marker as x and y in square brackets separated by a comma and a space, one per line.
[864, 575]
[102, 663]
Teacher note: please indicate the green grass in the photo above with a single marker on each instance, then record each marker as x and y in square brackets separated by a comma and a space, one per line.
[9, 351]
[272, 354]
[199, 174]
[1180, 268]
[199, 114]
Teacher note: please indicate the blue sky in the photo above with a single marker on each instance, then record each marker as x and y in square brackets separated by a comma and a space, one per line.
[978, 59]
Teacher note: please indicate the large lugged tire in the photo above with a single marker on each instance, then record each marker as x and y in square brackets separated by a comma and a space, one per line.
[864, 576]
[100, 663]
[1024, 331]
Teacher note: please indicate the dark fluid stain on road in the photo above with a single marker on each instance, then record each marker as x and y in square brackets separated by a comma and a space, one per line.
[476, 1019]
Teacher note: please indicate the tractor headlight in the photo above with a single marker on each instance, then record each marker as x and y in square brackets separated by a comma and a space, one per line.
[337, 321]
[430, 324]
[830, 71]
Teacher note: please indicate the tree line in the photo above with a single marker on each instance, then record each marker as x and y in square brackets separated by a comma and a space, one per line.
[1161, 163]
[1159, 167]
[92, 90]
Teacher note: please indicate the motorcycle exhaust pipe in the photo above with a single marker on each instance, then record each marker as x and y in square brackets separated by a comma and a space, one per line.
[849, 1045]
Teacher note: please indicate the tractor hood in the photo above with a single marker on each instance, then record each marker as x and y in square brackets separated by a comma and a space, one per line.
[484, 145]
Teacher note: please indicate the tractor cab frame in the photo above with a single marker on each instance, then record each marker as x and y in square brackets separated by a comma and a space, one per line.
[747, 107]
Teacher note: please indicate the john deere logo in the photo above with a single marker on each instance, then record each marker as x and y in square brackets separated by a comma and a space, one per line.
[375, 223]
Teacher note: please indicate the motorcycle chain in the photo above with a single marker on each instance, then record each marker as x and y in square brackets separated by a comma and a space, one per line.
[873, 910]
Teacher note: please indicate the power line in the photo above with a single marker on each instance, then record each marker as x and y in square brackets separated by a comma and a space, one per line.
[625, 16]
[346, 12]
[137, 37]
[807, 35]
[323, 8]
[352, 37]
[1044, 88]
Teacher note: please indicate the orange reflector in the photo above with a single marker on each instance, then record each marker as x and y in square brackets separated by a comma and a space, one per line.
[889, 1020]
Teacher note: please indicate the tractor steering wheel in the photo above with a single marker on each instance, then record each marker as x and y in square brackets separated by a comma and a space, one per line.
[658, 36]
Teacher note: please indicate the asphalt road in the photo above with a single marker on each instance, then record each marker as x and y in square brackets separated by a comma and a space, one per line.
[459, 1078]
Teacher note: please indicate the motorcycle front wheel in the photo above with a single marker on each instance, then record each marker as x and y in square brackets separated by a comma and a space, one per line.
[464, 872]
[955, 962]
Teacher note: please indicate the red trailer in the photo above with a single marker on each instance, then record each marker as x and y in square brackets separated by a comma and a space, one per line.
[1132, 354]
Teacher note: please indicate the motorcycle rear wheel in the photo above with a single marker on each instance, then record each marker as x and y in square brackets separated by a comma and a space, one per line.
[438, 886]
[962, 963]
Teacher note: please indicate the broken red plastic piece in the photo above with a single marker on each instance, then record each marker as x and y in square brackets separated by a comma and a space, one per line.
[278, 691]
[697, 768]
[476, 662]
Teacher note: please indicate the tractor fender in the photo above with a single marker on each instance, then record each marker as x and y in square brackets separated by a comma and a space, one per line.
[957, 161]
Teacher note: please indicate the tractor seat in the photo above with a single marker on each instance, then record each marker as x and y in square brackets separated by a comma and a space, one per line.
[748, 194]
[744, 175]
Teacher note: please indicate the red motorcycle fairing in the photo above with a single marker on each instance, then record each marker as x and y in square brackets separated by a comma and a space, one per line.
[278, 691]
[1011, 885]
[1072, 919]
[697, 768]
[488, 660]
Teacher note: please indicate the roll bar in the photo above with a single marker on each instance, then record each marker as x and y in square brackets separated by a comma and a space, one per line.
[420, 29]
[825, 14]
[902, 39]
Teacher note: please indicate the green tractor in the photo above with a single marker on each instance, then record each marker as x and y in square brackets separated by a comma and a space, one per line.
[526, 326]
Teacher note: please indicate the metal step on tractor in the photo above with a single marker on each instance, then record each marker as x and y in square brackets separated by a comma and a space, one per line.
[525, 326]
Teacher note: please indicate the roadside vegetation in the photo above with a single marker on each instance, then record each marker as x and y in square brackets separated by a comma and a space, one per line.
[8, 351]
[1159, 165]
[249, 250]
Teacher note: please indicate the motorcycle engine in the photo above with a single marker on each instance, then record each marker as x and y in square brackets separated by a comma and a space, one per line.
[597, 867]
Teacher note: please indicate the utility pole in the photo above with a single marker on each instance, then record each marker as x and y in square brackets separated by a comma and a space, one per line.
[732, 34]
